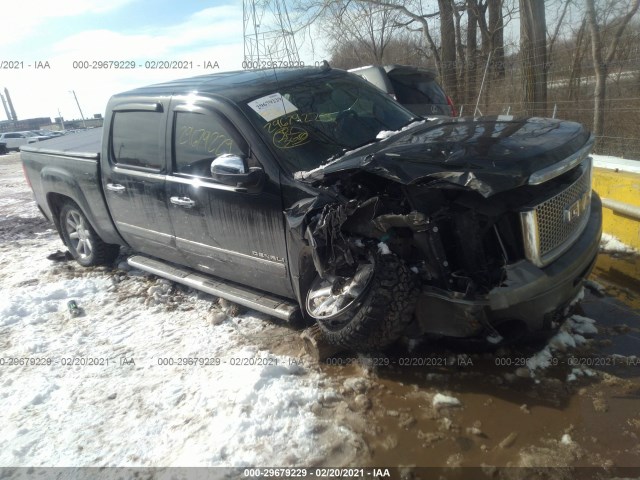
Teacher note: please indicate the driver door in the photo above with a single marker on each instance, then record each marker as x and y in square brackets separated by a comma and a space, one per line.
[235, 233]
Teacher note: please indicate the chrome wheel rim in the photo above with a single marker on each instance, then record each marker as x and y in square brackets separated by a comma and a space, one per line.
[78, 234]
[328, 299]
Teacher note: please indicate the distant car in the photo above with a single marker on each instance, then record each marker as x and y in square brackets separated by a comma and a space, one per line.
[415, 88]
[39, 134]
[14, 140]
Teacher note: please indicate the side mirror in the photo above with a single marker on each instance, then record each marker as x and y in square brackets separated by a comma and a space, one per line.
[230, 169]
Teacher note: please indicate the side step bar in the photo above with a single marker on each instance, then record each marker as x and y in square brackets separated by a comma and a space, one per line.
[262, 302]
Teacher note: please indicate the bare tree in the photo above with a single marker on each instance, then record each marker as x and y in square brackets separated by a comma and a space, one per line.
[576, 63]
[448, 48]
[471, 70]
[364, 28]
[496, 35]
[603, 54]
[533, 52]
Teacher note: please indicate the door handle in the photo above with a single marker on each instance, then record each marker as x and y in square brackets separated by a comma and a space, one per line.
[116, 187]
[183, 202]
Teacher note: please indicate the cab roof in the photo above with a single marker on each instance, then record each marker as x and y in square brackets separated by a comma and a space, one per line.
[237, 85]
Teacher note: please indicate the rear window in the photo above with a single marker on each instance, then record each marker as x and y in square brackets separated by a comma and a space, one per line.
[136, 139]
[413, 89]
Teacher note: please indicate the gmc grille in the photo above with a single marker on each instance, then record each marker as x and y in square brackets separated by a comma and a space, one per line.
[552, 226]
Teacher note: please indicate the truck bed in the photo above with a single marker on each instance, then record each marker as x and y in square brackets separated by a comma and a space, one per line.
[85, 144]
[68, 169]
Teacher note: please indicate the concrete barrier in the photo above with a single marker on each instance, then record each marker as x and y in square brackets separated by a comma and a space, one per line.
[620, 193]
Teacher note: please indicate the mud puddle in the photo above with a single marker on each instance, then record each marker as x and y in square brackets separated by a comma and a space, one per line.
[442, 407]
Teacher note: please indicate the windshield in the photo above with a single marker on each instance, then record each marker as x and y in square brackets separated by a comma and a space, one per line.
[416, 88]
[317, 120]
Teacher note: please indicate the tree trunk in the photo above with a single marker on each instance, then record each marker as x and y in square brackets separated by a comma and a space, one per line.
[448, 46]
[460, 52]
[576, 65]
[533, 52]
[471, 71]
[496, 28]
[600, 70]
[600, 63]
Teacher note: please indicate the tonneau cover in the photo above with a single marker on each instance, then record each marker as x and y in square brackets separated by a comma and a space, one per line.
[84, 144]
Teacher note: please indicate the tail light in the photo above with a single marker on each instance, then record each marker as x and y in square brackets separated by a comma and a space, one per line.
[454, 112]
[26, 177]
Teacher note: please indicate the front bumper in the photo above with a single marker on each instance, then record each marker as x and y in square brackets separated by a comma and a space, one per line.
[530, 296]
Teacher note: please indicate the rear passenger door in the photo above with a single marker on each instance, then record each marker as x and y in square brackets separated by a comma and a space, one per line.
[134, 177]
[233, 233]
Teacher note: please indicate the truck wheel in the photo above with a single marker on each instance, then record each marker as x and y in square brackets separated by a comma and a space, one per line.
[368, 311]
[81, 239]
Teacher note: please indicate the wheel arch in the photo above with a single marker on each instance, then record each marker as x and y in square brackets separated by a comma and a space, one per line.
[61, 186]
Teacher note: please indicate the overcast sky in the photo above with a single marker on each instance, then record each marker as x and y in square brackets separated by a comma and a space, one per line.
[62, 32]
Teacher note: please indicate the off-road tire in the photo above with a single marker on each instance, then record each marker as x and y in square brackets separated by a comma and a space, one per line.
[100, 253]
[382, 314]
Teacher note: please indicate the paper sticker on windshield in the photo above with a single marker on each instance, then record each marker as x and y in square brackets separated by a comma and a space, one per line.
[272, 106]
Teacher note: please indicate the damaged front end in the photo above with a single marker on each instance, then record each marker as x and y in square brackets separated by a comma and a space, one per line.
[469, 252]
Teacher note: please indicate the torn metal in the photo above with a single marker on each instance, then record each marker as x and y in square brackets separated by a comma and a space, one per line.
[488, 155]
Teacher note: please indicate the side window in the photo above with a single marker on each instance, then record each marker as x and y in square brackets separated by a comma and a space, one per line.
[137, 139]
[199, 138]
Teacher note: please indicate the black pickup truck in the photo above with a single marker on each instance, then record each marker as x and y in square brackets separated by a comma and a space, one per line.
[309, 194]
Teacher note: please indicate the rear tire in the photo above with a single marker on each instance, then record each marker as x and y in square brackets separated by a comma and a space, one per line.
[82, 240]
[379, 315]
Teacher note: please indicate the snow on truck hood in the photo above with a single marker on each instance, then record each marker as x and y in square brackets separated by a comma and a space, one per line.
[487, 154]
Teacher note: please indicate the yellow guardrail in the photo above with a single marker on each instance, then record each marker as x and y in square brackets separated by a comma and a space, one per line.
[620, 193]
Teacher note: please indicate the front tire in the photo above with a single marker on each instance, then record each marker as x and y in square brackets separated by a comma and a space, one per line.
[82, 240]
[377, 316]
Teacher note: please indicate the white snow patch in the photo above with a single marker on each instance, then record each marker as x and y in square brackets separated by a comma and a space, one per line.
[577, 299]
[595, 287]
[441, 400]
[383, 248]
[384, 134]
[570, 335]
[616, 163]
[540, 360]
[566, 439]
[583, 325]
[611, 244]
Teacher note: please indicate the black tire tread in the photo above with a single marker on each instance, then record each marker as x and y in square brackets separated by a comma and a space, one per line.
[384, 312]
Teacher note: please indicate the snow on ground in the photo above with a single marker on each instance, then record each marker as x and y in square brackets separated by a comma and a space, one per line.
[616, 163]
[442, 400]
[150, 374]
[570, 335]
[611, 244]
[232, 404]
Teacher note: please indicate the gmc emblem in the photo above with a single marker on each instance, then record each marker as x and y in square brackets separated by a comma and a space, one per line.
[576, 209]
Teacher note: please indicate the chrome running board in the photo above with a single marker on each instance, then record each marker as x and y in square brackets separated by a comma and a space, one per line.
[247, 297]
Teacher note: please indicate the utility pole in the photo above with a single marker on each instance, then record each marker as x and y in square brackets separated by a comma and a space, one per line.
[78, 103]
[61, 121]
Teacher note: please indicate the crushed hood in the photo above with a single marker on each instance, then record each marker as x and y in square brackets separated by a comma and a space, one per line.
[486, 154]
